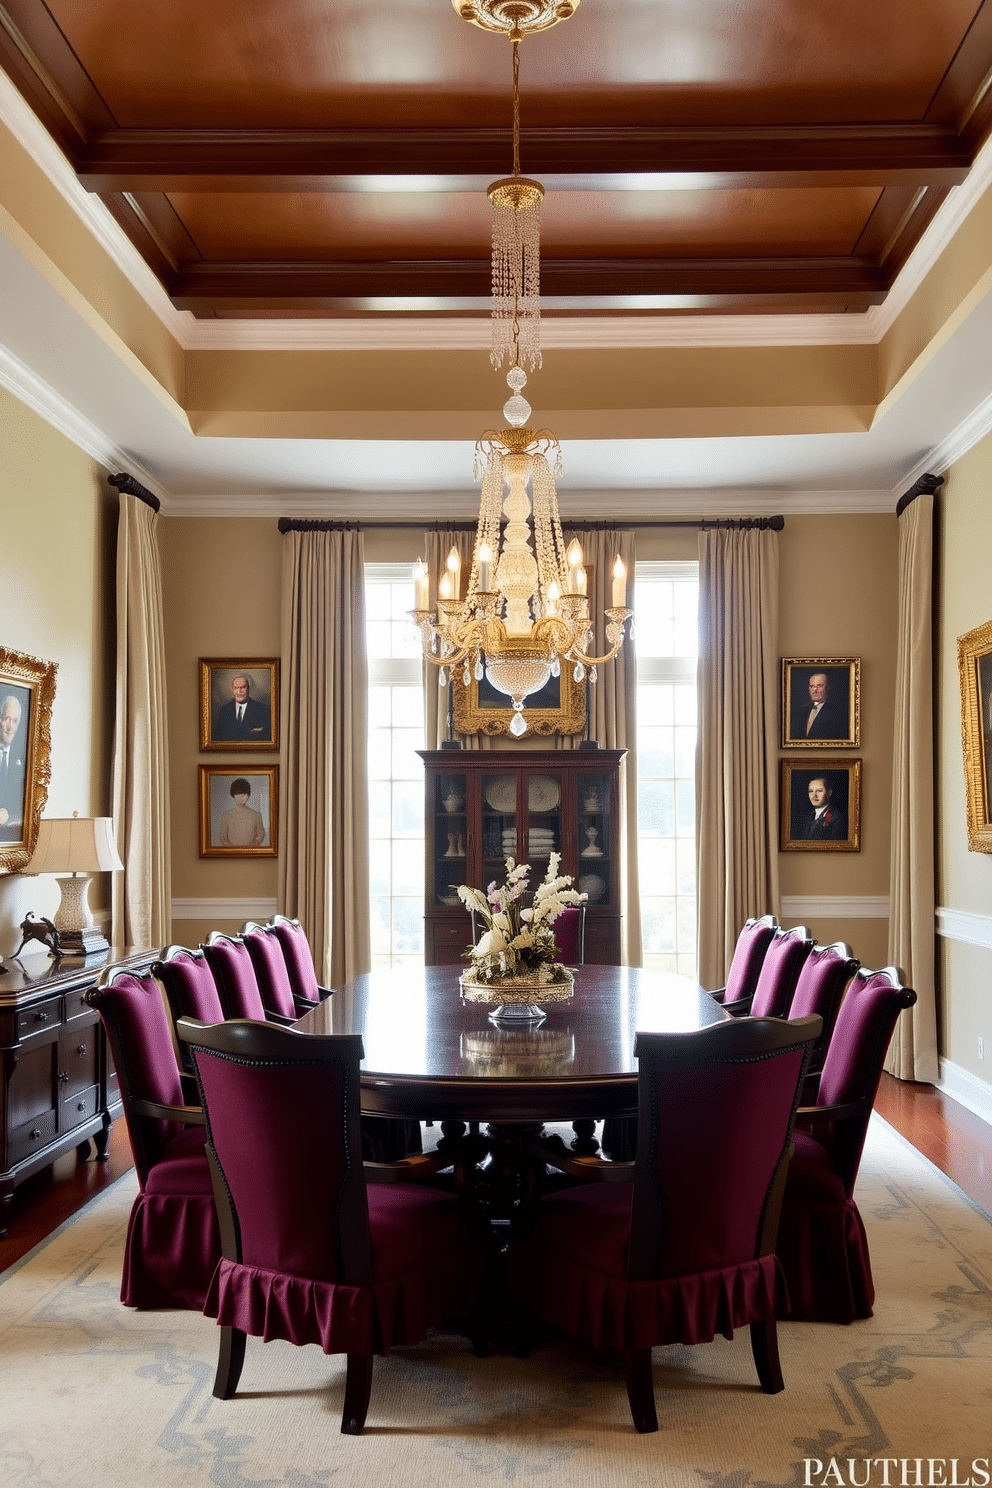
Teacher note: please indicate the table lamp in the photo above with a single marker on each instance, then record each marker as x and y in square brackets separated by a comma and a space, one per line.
[78, 846]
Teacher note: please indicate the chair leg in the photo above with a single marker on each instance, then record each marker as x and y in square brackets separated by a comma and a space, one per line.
[357, 1390]
[764, 1347]
[230, 1361]
[640, 1389]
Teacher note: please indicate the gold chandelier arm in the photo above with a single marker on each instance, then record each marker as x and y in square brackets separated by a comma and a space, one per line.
[616, 619]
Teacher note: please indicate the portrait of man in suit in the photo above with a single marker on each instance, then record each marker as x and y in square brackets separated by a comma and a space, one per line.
[820, 706]
[823, 821]
[821, 807]
[243, 718]
[12, 767]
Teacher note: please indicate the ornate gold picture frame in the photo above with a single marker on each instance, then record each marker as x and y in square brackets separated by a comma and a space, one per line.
[27, 690]
[239, 811]
[559, 708]
[831, 683]
[975, 675]
[230, 686]
[821, 805]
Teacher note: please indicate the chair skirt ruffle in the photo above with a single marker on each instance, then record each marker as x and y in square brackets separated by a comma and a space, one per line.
[171, 1251]
[340, 1319]
[611, 1312]
[824, 1253]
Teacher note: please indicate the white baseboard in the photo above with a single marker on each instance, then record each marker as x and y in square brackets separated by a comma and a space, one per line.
[967, 1089]
[224, 909]
[798, 908]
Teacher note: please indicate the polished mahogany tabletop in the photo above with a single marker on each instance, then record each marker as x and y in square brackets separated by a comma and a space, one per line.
[429, 1054]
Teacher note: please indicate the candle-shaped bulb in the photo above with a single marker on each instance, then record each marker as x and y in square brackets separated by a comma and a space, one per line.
[485, 568]
[444, 587]
[421, 585]
[574, 556]
[580, 581]
[554, 594]
[453, 564]
[619, 584]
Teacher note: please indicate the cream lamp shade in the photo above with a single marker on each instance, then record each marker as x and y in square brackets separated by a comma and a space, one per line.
[77, 846]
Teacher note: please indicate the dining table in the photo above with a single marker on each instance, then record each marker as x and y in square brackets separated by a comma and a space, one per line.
[432, 1056]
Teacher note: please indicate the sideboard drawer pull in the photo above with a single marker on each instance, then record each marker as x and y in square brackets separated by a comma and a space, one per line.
[36, 1133]
[80, 1049]
[41, 1017]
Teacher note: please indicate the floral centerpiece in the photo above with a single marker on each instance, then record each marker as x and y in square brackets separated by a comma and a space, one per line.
[515, 958]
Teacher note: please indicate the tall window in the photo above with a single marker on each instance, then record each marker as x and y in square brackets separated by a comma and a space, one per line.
[666, 600]
[396, 773]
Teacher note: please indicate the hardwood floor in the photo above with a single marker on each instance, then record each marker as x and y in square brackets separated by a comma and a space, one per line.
[955, 1140]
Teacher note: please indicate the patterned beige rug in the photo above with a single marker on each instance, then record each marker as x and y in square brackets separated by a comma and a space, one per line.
[92, 1395]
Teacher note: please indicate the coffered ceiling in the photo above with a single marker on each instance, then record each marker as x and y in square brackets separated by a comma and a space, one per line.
[330, 157]
[325, 161]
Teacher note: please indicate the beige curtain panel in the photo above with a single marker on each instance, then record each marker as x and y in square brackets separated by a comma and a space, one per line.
[737, 752]
[324, 859]
[913, 1050]
[142, 894]
[437, 546]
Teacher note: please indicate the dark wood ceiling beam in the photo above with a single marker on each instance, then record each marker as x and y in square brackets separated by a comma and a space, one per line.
[287, 160]
[448, 279]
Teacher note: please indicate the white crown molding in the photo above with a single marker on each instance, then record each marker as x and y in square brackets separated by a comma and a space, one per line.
[803, 907]
[29, 132]
[241, 910]
[51, 406]
[967, 1089]
[969, 929]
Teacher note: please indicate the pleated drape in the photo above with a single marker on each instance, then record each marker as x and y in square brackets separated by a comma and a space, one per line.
[913, 1050]
[324, 861]
[437, 546]
[142, 894]
[736, 758]
[613, 712]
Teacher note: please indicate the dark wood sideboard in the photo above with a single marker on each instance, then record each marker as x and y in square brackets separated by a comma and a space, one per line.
[59, 1088]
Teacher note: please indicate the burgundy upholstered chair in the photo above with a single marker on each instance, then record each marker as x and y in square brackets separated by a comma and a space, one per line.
[784, 958]
[234, 972]
[822, 1242]
[271, 972]
[687, 1249]
[299, 959]
[820, 987]
[190, 989]
[173, 1241]
[749, 952]
[311, 1253]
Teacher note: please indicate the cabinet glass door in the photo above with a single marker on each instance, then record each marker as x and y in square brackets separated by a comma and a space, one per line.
[499, 825]
[543, 822]
[595, 837]
[450, 836]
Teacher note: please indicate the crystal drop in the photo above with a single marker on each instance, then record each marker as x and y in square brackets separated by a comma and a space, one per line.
[480, 671]
[556, 667]
[442, 677]
[516, 378]
[518, 725]
[467, 677]
[593, 674]
[579, 672]
[517, 411]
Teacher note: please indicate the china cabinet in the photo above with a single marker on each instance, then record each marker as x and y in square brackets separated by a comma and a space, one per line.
[485, 806]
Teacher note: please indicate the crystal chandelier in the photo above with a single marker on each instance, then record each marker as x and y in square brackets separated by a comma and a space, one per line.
[525, 610]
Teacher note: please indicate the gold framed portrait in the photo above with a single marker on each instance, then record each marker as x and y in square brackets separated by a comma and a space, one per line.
[239, 704]
[239, 811]
[27, 690]
[821, 805]
[558, 708]
[975, 676]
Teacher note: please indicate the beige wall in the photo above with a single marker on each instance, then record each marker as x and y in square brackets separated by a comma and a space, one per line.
[964, 882]
[58, 523]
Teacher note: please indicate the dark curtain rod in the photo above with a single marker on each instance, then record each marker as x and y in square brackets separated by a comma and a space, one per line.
[304, 524]
[925, 486]
[132, 487]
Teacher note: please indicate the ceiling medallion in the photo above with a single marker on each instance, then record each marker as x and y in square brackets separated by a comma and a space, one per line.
[515, 17]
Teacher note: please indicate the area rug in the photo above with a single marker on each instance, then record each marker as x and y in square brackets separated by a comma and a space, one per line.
[93, 1395]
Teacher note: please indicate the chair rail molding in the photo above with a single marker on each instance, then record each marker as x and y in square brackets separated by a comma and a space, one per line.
[971, 929]
[803, 907]
[224, 909]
